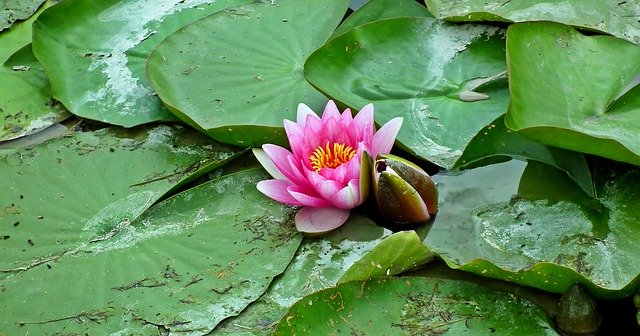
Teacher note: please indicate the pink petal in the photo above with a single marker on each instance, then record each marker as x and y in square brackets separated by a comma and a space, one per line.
[305, 197]
[330, 112]
[348, 197]
[317, 221]
[364, 122]
[277, 190]
[385, 137]
[267, 164]
[303, 113]
[280, 158]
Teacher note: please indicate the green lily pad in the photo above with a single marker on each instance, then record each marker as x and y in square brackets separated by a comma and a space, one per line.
[375, 10]
[618, 18]
[20, 33]
[26, 103]
[446, 80]
[402, 251]
[73, 192]
[318, 264]
[181, 267]
[496, 143]
[238, 73]
[17, 10]
[95, 52]
[580, 78]
[413, 306]
[549, 235]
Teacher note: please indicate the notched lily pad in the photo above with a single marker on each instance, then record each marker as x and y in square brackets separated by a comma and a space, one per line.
[413, 306]
[446, 80]
[180, 268]
[547, 235]
[75, 191]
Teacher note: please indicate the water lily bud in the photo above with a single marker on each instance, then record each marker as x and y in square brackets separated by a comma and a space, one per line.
[578, 313]
[404, 192]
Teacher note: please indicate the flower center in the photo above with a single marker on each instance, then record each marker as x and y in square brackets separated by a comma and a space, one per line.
[330, 156]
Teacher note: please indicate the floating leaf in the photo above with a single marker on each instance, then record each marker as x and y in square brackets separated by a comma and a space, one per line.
[182, 267]
[17, 10]
[84, 188]
[20, 33]
[402, 251]
[580, 78]
[446, 80]
[375, 10]
[318, 264]
[496, 143]
[547, 233]
[413, 306]
[94, 52]
[238, 73]
[615, 17]
[26, 104]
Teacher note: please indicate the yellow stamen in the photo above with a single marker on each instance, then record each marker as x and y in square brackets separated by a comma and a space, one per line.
[330, 157]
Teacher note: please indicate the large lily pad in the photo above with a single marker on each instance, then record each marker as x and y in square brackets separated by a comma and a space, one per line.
[446, 80]
[180, 268]
[413, 306]
[318, 264]
[238, 73]
[496, 143]
[549, 235]
[73, 192]
[580, 78]
[618, 18]
[17, 10]
[94, 52]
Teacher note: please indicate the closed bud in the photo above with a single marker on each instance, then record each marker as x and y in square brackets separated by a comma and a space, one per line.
[404, 192]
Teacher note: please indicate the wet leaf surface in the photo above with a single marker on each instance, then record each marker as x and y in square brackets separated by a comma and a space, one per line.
[618, 18]
[180, 268]
[581, 78]
[413, 306]
[95, 53]
[547, 235]
[318, 264]
[81, 189]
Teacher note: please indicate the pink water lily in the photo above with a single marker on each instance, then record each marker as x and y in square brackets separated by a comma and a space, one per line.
[327, 170]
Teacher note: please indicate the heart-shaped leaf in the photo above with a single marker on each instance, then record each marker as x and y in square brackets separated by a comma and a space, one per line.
[413, 306]
[615, 17]
[580, 78]
[180, 268]
[238, 73]
[94, 52]
[446, 80]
